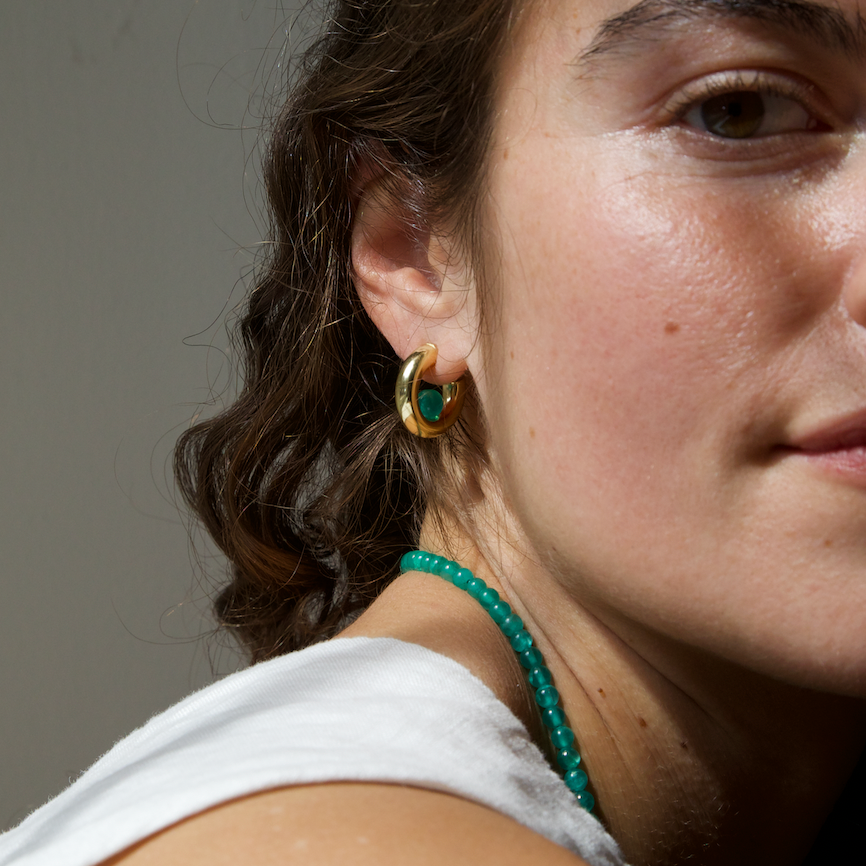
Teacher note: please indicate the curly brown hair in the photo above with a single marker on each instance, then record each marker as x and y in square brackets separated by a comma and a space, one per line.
[308, 483]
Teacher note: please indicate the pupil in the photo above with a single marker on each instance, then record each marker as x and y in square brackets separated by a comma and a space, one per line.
[734, 115]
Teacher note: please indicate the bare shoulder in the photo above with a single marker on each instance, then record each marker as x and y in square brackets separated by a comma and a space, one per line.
[340, 823]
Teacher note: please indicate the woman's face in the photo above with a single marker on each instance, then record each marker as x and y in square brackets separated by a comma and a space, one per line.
[676, 376]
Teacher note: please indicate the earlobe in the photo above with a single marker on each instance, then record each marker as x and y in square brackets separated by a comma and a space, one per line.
[406, 280]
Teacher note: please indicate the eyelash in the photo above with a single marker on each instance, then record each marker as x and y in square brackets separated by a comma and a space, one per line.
[757, 81]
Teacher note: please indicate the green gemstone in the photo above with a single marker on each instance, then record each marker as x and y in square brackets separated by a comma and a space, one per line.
[475, 587]
[461, 577]
[499, 611]
[447, 569]
[547, 696]
[568, 758]
[521, 641]
[430, 403]
[488, 598]
[511, 625]
[531, 657]
[576, 780]
[539, 676]
[552, 717]
[585, 799]
[562, 737]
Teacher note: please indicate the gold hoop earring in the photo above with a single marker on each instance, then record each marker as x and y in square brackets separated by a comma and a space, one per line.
[406, 395]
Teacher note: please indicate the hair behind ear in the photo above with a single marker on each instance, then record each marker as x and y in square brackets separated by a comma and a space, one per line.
[308, 482]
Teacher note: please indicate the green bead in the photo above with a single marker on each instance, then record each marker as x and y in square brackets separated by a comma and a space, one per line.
[568, 758]
[499, 611]
[585, 799]
[576, 780]
[407, 562]
[447, 569]
[562, 737]
[531, 658]
[547, 696]
[552, 717]
[488, 598]
[511, 625]
[475, 586]
[461, 577]
[539, 676]
[437, 565]
[521, 641]
[430, 403]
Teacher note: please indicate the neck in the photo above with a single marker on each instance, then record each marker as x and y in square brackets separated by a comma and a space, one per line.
[688, 755]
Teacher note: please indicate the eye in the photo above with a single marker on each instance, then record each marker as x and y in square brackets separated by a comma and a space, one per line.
[749, 105]
[750, 114]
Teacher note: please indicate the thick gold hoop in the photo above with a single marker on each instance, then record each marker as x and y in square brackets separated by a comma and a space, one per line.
[406, 395]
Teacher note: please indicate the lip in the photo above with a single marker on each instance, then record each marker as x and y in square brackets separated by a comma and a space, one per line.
[837, 447]
[844, 434]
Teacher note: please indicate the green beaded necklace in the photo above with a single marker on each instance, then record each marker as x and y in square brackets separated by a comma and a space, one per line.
[511, 625]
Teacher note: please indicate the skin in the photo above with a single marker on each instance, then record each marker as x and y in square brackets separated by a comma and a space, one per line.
[673, 313]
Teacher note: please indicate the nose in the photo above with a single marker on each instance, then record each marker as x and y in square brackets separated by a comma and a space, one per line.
[854, 290]
[848, 205]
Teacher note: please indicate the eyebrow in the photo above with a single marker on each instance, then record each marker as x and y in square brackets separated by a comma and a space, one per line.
[649, 18]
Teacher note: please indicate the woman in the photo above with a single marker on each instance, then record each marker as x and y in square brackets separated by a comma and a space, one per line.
[634, 235]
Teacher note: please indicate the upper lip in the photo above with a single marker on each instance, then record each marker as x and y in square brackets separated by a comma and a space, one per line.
[848, 431]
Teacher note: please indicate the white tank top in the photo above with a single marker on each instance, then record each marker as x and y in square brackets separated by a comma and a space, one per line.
[352, 709]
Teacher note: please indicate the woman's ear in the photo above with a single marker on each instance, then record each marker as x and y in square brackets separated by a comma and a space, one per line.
[412, 284]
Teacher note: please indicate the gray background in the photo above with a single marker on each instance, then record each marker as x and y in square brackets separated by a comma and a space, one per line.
[129, 222]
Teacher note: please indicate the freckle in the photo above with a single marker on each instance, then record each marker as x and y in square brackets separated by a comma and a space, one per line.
[684, 746]
[505, 154]
[641, 722]
[512, 355]
[601, 692]
[671, 328]
[828, 542]
[531, 432]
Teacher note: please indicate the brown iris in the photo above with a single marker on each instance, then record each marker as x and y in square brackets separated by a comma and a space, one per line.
[734, 115]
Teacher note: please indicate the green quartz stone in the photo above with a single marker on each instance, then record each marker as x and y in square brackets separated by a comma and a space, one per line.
[488, 598]
[576, 780]
[539, 676]
[521, 641]
[552, 717]
[547, 696]
[585, 799]
[499, 611]
[475, 587]
[462, 577]
[511, 625]
[568, 758]
[531, 657]
[562, 737]
[447, 569]
[430, 403]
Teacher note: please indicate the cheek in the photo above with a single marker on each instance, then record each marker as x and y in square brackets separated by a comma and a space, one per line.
[617, 300]
[644, 321]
